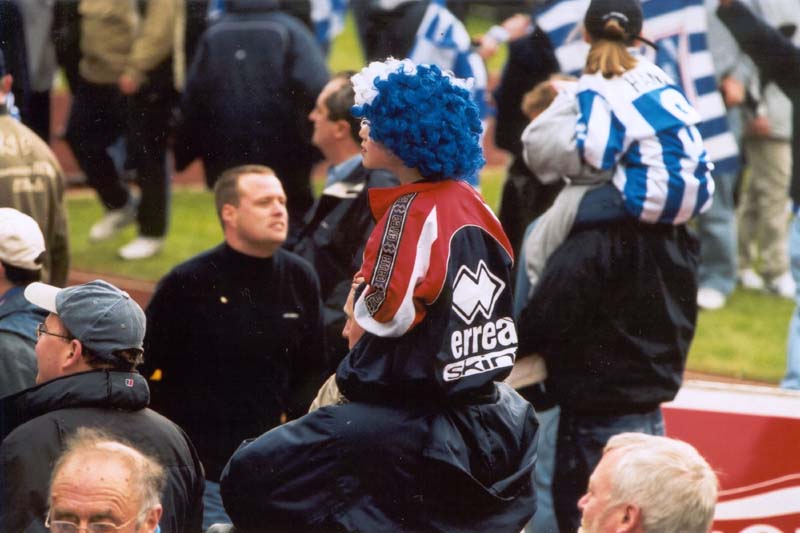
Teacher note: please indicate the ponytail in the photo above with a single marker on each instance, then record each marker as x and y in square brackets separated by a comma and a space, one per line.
[609, 54]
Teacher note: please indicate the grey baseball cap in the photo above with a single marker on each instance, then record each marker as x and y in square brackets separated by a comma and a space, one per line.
[104, 318]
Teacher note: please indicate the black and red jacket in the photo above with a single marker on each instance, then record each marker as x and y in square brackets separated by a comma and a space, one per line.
[437, 302]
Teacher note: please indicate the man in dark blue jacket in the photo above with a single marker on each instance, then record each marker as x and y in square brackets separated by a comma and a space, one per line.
[251, 85]
[336, 228]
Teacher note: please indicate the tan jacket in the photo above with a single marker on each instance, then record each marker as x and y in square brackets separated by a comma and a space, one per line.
[116, 40]
[108, 30]
[161, 34]
[31, 181]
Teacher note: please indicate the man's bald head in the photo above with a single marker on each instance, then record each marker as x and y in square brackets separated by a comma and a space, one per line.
[98, 478]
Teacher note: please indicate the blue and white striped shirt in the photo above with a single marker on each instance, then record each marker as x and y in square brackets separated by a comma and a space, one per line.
[641, 125]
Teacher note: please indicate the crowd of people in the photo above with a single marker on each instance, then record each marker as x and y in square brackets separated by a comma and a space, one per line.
[390, 355]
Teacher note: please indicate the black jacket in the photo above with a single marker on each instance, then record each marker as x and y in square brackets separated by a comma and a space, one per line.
[333, 239]
[251, 85]
[778, 60]
[613, 315]
[239, 343]
[531, 60]
[36, 422]
[363, 467]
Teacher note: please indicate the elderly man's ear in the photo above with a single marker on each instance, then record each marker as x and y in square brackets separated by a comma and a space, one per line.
[152, 518]
[631, 520]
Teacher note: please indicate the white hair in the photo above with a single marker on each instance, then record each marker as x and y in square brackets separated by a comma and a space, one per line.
[671, 483]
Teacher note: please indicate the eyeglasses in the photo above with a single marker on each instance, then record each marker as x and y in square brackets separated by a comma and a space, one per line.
[64, 526]
[41, 330]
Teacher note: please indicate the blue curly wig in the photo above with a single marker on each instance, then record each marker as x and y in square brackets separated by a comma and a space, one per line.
[427, 121]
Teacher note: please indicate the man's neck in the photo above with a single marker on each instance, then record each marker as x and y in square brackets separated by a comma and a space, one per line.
[257, 251]
[5, 286]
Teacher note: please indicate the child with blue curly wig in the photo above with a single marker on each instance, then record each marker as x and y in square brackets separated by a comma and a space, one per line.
[423, 116]
[434, 298]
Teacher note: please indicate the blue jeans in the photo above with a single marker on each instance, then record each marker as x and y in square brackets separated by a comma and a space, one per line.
[581, 439]
[792, 378]
[544, 521]
[213, 510]
[716, 229]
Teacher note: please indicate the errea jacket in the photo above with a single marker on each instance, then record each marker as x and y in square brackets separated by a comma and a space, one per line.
[437, 301]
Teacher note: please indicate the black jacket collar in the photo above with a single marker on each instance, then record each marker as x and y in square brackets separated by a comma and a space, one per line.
[127, 391]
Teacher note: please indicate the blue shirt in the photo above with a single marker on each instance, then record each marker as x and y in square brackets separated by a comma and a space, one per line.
[640, 125]
[337, 173]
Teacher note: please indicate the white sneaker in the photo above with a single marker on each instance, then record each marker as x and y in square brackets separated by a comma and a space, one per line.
[710, 299]
[112, 222]
[749, 279]
[141, 248]
[783, 286]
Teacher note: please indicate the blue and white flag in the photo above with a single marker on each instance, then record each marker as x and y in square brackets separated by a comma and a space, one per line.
[328, 16]
[679, 28]
[442, 40]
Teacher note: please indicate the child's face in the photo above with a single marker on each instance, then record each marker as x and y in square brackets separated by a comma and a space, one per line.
[375, 154]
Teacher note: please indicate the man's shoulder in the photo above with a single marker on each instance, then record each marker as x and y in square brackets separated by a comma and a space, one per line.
[373, 177]
[201, 266]
[294, 264]
[47, 432]
[35, 147]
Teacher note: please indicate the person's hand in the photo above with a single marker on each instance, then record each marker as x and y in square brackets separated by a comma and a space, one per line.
[487, 47]
[759, 126]
[127, 85]
[732, 90]
[517, 26]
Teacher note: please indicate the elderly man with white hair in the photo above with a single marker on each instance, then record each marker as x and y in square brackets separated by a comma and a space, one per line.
[104, 485]
[648, 484]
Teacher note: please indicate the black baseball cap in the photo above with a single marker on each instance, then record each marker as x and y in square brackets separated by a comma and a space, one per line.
[628, 13]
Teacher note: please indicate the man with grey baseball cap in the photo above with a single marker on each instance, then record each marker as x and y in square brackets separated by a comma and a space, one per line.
[22, 251]
[88, 350]
[106, 326]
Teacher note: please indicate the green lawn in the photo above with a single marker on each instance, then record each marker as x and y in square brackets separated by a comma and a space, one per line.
[746, 339]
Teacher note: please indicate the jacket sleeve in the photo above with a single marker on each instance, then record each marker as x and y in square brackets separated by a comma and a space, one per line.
[17, 364]
[777, 58]
[548, 143]
[600, 134]
[309, 71]
[530, 60]
[402, 269]
[163, 340]
[191, 123]
[59, 245]
[156, 38]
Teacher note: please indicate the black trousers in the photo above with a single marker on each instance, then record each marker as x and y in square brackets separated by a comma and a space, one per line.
[99, 117]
